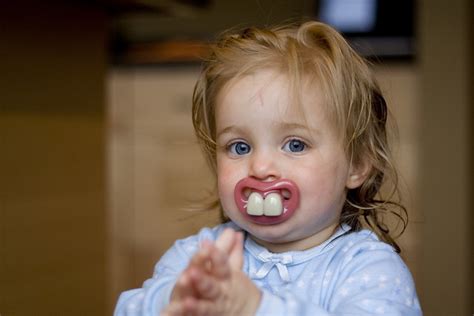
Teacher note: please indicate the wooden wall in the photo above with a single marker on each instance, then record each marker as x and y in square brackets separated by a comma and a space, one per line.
[446, 154]
[52, 158]
[156, 170]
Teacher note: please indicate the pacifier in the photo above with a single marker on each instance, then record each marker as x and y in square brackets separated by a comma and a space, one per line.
[267, 203]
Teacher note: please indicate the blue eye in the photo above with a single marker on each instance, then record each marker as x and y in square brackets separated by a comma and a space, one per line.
[239, 148]
[294, 146]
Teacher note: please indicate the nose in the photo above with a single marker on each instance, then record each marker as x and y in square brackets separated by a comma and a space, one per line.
[263, 166]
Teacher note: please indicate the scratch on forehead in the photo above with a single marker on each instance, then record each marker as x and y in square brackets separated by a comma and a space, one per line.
[260, 97]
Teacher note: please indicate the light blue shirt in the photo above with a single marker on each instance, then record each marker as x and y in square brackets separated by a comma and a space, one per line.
[352, 274]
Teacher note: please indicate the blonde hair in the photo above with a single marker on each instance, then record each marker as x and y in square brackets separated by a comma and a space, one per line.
[353, 99]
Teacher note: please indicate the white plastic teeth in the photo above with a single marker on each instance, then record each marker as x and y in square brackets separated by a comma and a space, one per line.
[271, 205]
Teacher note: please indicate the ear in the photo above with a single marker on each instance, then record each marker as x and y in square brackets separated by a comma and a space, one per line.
[358, 173]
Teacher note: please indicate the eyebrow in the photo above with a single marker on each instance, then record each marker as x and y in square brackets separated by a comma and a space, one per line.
[298, 126]
[289, 125]
[284, 125]
[229, 129]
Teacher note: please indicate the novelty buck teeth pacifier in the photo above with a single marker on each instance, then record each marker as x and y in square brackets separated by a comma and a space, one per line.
[267, 203]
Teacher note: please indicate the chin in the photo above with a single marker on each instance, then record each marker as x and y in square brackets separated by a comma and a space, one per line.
[270, 233]
[276, 234]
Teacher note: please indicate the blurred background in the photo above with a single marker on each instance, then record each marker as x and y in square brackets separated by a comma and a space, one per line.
[98, 161]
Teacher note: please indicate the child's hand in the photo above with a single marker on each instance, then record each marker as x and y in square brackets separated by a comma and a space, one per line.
[213, 261]
[197, 280]
[213, 283]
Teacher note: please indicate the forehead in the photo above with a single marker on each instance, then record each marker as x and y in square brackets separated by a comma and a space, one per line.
[273, 93]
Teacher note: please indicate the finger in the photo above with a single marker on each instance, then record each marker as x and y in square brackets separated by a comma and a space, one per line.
[201, 259]
[212, 259]
[173, 309]
[201, 256]
[190, 307]
[226, 240]
[236, 257]
[206, 308]
[206, 286]
[220, 267]
[205, 243]
[183, 287]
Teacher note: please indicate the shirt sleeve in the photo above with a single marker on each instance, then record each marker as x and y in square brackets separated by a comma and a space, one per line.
[155, 293]
[368, 282]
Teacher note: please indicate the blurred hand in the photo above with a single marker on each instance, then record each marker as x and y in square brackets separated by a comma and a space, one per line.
[213, 283]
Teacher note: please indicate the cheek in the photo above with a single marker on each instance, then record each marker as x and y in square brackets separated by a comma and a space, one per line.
[223, 171]
[226, 177]
[226, 181]
[324, 181]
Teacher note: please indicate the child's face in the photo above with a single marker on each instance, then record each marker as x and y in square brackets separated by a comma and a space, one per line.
[261, 137]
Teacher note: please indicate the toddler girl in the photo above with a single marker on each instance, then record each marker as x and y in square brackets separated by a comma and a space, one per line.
[293, 125]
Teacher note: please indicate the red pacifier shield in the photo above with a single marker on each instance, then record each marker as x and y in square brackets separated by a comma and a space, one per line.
[287, 189]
